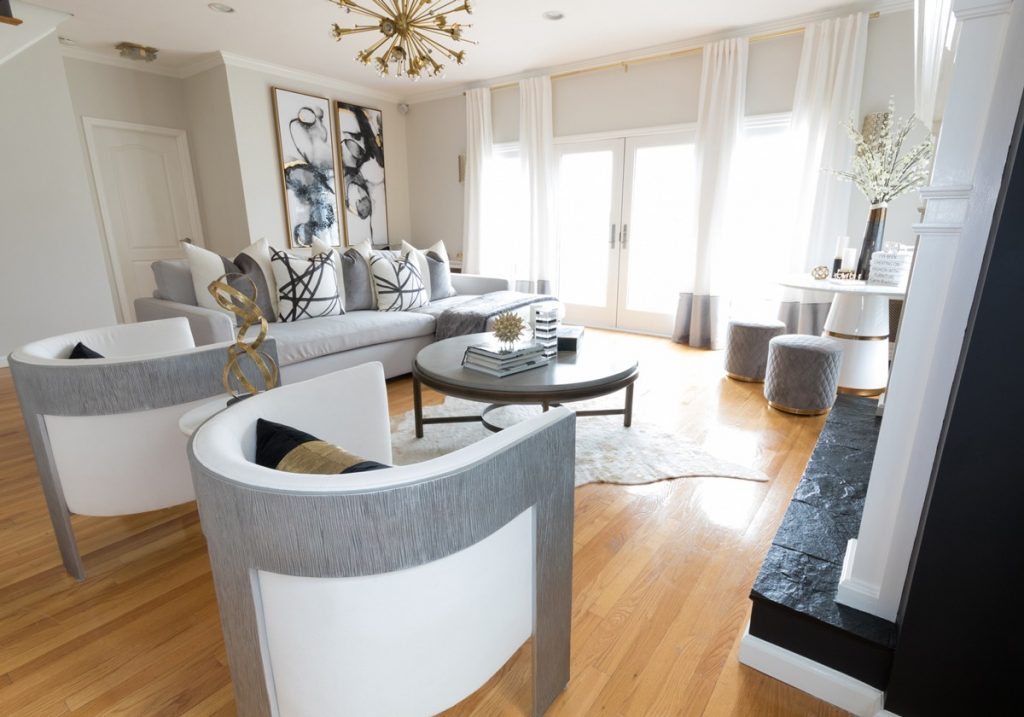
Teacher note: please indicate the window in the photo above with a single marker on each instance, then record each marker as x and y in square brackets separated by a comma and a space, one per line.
[761, 203]
[504, 214]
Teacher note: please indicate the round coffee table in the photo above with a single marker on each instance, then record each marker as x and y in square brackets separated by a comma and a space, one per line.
[572, 376]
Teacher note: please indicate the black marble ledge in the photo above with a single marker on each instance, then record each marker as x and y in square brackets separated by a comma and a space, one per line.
[802, 569]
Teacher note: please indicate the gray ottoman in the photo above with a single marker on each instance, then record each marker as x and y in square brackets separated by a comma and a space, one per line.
[746, 348]
[802, 374]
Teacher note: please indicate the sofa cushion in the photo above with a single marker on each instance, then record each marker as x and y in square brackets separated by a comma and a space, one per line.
[358, 283]
[312, 338]
[306, 288]
[174, 281]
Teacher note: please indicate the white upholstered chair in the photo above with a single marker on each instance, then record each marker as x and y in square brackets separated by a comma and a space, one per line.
[392, 592]
[105, 431]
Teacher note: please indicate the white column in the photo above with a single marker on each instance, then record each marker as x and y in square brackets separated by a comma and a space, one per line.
[977, 126]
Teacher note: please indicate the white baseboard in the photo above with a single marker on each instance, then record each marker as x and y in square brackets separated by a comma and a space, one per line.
[811, 677]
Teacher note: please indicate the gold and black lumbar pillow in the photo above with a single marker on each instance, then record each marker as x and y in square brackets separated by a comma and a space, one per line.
[288, 449]
[81, 351]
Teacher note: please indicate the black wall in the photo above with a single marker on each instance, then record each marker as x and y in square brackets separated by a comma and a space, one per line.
[961, 630]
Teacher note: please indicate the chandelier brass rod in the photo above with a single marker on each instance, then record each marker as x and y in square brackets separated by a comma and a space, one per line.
[625, 64]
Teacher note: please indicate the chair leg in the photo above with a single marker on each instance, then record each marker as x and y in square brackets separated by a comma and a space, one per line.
[60, 516]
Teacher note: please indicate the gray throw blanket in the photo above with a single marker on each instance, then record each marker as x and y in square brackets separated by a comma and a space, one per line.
[471, 317]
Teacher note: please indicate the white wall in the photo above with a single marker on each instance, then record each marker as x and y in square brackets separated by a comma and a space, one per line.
[211, 136]
[648, 95]
[255, 133]
[52, 278]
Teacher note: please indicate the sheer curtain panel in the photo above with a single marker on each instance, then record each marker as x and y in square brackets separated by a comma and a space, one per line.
[828, 91]
[535, 256]
[933, 26]
[478, 157]
[702, 312]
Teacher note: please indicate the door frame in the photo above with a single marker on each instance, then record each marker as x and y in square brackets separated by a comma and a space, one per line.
[122, 302]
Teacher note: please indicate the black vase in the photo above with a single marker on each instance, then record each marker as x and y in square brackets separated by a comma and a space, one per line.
[873, 234]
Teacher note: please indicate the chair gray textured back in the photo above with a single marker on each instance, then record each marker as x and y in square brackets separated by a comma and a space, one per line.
[47, 387]
[252, 528]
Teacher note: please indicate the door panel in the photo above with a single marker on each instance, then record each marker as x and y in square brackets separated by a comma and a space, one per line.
[147, 201]
[589, 192]
[659, 224]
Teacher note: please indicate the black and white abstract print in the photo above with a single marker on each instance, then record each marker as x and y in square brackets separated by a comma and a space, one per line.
[361, 134]
[307, 166]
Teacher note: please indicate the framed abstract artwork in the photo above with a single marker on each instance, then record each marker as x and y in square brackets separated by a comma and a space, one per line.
[305, 142]
[364, 197]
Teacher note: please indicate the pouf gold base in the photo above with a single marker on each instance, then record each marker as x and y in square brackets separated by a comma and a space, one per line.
[867, 392]
[799, 411]
[744, 379]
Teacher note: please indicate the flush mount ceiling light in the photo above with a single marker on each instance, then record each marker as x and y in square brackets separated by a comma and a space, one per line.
[220, 7]
[554, 15]
[133, 51]
[412, 32]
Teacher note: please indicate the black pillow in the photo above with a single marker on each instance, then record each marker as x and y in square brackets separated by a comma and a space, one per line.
[81, 351]
[288, 449]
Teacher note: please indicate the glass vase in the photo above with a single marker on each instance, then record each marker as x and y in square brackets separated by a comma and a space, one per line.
[873, 235]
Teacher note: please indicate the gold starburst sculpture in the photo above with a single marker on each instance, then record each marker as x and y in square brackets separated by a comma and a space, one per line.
[508, 327]
[412, 33]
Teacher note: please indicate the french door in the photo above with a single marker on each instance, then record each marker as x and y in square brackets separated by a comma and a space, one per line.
[625, 230]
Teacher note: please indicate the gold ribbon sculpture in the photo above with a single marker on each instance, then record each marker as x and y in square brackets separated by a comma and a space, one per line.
[231, 299]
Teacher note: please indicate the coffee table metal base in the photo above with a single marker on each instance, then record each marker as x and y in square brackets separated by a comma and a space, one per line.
[417, 397]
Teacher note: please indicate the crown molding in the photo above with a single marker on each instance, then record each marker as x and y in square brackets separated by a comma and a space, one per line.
[249, 63]
[974, 9]
[884, 7]
[103, 58]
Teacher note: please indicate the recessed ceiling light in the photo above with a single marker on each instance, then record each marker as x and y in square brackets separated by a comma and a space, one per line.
[220, 7]
[554, 15]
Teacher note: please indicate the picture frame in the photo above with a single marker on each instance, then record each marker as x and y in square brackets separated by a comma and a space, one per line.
[306, 152]
[363, 185]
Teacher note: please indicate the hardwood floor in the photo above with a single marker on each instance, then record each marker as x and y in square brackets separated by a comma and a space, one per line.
[661, 577]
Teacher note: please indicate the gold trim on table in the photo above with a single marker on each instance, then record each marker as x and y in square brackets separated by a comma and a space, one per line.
[866, 392]
[799, 411]
[745, 379]
[851, 337]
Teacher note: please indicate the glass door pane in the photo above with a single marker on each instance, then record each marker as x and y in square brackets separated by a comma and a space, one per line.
[589, 199]
[659, 211]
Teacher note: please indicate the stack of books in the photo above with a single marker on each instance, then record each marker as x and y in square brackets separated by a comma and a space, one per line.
[489, 359]
[545, 328]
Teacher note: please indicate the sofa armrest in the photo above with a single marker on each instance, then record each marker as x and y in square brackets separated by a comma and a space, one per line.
[477, 284]
[208, 326]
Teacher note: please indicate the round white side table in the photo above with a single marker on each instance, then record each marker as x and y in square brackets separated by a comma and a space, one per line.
[859, 320]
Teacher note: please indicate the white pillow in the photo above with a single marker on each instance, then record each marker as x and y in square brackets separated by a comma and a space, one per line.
[321, 247]
[206, 266]
[420, 257]
[306, 287]
[397, 282]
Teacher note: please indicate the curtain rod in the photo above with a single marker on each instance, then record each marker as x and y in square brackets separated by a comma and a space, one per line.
[660, 56]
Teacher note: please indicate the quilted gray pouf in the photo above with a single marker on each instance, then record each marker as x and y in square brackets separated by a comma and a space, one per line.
[746, 348]
[802, 374]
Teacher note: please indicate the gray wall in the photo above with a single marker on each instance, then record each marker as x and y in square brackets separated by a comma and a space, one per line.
[53, 277]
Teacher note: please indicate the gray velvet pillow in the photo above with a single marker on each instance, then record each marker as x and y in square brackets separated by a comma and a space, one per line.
[247, 266]
[174, 281]
[359, 294]
[440, 277]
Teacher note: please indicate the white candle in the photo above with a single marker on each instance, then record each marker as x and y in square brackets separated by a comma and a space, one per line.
[849, 260]
[841, 243]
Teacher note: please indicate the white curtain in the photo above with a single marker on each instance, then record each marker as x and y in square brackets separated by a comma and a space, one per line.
[933, 23]
[828, 91]
[478, 156]
[702, 312]
[535, 257]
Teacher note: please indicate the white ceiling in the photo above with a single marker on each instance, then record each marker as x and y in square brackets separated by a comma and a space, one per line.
[512, 34]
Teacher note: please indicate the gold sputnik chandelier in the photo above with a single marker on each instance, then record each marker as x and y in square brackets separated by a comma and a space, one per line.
[413, 33]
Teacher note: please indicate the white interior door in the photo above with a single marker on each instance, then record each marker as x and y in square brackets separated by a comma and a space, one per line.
[625, 230]
[589, 221]
[147, 200]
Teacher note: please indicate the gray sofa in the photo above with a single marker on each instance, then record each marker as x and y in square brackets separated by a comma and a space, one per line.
[316, 346]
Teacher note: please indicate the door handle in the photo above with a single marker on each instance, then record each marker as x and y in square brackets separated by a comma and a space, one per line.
[611, 240]
[624, 239]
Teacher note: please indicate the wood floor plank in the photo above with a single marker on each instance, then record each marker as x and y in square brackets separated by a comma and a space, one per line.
[662, 573]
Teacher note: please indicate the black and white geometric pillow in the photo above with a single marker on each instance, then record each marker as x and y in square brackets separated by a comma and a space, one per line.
[398, 283]
[306, 287]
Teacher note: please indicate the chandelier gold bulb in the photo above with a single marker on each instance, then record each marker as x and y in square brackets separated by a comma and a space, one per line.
[414, 35]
